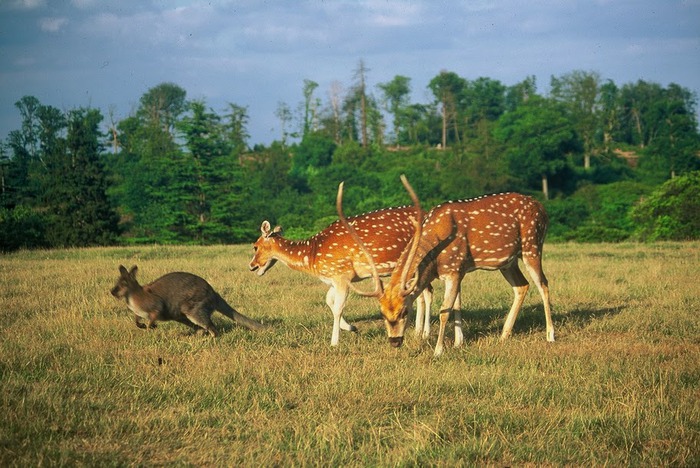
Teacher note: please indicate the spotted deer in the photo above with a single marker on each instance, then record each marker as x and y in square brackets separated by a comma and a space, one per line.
[334, 257]
[490, 232]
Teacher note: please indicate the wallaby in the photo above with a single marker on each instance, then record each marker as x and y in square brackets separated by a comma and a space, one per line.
[179, 296]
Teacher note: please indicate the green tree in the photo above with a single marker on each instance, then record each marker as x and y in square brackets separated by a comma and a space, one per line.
[284, 113]
[212, 185]
[150, 166]
[75, 186]
[42, 128]
[578, 92]
[310, 106]
[162, 105]
[484, 100]
[236, 127]
[676, 142]
[360, 95]
[448, 87]
[608, 115]
[538, 137]
[396, 97]
[520, 93]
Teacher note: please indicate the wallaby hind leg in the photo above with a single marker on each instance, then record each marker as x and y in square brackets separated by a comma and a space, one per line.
[201, 317]
[194, 328]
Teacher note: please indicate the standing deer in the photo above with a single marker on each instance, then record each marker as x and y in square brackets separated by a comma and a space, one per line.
[490, 233]
[333, 256]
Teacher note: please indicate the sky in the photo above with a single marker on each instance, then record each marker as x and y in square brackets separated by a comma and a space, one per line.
[106, 54]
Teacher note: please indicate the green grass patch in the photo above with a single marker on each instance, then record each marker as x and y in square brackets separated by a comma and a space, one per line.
[81, 385]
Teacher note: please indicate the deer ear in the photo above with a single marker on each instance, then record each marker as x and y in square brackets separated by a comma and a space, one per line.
[411, 285]
[277, 230]
[265, 228]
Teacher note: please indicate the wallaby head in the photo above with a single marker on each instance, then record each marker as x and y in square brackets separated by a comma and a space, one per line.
[126, 283]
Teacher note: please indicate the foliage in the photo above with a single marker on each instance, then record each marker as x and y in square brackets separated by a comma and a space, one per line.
[180, 172]
[538, 136]
[20, 228]
[595, 213]
[671, 212]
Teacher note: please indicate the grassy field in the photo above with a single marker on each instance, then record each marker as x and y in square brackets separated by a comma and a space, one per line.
[81, 385]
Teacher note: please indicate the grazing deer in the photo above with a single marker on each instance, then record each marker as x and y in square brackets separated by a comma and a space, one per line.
[183, 297]
[490, 233]
[334, 257]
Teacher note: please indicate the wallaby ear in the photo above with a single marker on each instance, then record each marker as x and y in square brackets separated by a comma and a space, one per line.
[122, 270]
[265, 228]
[133, 270]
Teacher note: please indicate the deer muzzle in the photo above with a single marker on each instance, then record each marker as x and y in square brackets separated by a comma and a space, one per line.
[396, 341]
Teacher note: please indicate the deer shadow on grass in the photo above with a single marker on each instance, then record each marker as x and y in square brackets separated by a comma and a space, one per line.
[479, 323]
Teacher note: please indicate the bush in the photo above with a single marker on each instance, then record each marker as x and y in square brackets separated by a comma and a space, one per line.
[671, 212]
[21, 227]
[595, 213]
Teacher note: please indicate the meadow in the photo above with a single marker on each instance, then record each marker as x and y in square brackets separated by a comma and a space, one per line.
[80, 384]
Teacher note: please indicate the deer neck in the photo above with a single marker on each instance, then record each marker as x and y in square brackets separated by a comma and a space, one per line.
[297, 255]
[424, 263]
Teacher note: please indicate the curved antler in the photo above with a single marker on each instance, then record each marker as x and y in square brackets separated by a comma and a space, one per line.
[418, 224]
[375, 274]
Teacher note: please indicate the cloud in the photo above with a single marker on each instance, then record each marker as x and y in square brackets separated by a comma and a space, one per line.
[27, 4]
[52, 25]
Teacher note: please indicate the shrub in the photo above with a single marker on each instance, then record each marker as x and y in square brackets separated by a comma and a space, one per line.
[21, 227]
[671, 212]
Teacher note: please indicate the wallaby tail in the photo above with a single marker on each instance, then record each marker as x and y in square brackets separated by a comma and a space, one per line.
[233, 314]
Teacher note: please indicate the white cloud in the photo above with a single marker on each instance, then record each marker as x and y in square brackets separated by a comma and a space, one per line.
[83, 4]
[392, 14]
[27, 4]
[52, 25]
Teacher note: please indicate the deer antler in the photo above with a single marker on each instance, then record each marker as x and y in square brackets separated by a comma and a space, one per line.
[375, 274]
[418, 223]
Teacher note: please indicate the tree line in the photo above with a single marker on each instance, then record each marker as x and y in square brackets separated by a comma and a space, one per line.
[610, 162]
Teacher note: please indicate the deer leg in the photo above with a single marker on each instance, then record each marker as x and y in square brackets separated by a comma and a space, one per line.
[515, 278]
[534, 268]
[420, 315]
[459, 335]
[330, 300]
[451, 291]
[336, 298]
[428, 299]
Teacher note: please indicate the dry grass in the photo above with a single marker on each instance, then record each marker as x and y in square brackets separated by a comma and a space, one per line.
[81, 385]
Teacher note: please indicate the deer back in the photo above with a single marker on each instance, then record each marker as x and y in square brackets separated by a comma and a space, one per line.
[488, 232]
[333, 251]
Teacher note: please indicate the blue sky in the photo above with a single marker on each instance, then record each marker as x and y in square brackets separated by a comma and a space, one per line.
[107, 54]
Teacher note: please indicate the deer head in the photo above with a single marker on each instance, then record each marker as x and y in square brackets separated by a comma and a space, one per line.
[395, 306]
[264, 248]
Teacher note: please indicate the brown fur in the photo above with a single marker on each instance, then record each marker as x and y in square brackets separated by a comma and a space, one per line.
[179, 296]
